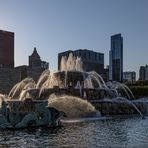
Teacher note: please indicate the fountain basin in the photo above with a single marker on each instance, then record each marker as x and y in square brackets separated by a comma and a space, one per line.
[121, 107]
[84, 93]
[84, 85]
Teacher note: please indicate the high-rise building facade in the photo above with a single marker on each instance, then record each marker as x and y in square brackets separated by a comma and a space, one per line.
[116, 58]
[143, 73]
[92, 61]
[129, 76]
[6, 49]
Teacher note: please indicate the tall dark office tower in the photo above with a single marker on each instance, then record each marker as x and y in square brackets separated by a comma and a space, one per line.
[116, 58]
[6, 49]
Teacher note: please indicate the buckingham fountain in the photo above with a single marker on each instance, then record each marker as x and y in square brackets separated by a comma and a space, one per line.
[71, 93]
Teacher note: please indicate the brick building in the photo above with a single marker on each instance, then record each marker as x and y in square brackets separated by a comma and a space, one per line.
[6, 49]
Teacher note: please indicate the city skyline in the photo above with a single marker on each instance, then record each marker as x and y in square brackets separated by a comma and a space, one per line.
[55, 26]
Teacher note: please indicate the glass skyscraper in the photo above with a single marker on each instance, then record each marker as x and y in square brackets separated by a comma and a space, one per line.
[116, 58]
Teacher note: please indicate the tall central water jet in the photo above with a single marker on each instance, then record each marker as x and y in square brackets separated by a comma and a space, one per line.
[71, 63]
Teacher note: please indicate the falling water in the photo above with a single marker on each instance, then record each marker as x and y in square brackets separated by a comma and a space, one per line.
[130, 102]
[132, 95]
[88, 82]
[99, 78]
[115, 85]
[124, 89]
[50, 82]
[65, 81]
[74, 107]
[12, 90]
[71, 63]
[79, 64]
[16, 91]
[23, 94]
[2, 98]
[63, 64]
[78, 86]
[43, 78]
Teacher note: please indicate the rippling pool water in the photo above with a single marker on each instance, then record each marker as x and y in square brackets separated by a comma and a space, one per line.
[111, 132]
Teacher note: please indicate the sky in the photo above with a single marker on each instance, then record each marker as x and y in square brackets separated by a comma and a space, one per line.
[54, 26]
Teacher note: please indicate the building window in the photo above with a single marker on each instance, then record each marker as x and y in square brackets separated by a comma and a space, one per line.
[89, 56]
[79, 53]
[99, 58]
[84, 55]
[95, 56]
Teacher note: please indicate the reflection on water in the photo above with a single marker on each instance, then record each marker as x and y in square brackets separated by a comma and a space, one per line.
[127, 132]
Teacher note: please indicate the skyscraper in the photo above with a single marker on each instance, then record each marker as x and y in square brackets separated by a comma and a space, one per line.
[143, 73]
[116, 58]
[129, 76]
[6, 49]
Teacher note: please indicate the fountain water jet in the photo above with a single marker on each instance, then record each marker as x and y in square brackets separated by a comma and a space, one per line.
[63, 64]
[99, 78]
[116, 85]
[133, 97]
[130, 102]
[27, 83]
[74, 107]
[43, 77]
[78, 86]
[71, 63]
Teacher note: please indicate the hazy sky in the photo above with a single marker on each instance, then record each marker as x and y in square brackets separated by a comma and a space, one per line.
[54, 26]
